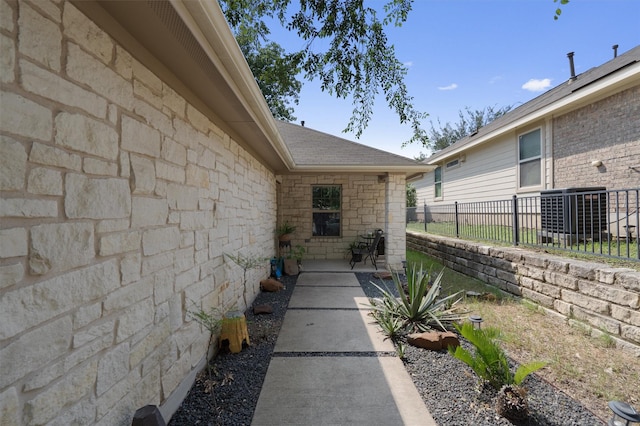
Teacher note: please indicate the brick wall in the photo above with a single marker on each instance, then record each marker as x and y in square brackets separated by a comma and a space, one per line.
[119, 200]
[609, 131]
[603, 297]
[367, 204]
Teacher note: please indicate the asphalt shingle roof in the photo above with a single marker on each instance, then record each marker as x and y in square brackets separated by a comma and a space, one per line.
[310, 147]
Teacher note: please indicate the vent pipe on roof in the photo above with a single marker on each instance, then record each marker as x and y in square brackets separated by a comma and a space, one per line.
[302, 123]
[615, 50]
[573, 70]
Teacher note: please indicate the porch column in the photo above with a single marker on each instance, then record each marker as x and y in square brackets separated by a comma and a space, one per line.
[395, 221]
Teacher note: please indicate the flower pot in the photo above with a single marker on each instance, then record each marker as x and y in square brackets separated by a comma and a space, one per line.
[284, 237]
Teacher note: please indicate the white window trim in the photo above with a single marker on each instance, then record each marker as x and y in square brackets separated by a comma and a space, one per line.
[441, 197]
[541, 158]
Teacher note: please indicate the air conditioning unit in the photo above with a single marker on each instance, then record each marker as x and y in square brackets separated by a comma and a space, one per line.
[578, 211]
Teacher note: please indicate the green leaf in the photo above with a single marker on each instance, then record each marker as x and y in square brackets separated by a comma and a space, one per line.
[524, 370]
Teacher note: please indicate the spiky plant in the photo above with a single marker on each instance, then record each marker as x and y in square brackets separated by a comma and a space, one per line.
[490, 363]
[417, 309]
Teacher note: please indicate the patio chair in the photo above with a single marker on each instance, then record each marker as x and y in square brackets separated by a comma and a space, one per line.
[364, 252]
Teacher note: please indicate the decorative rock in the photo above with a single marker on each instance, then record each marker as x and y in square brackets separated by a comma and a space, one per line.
[262, 309]
[434, 340]
[449, 338]
[383, 275]
[271, 285]
[429, 341]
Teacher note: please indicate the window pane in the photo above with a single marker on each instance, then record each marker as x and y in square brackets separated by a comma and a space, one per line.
[326, 198]
[438, 174]
[530, 173]
[326, 224]
[530, 145]
[438, 190]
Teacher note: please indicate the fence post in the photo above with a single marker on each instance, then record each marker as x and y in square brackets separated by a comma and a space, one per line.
[425, 216]
[456, 218]
[516, 225]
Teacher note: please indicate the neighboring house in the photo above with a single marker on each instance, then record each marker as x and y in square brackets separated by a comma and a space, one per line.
[136, 150]
[582, 133]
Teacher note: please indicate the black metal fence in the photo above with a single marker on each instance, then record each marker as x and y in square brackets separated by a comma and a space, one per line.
[589, 220]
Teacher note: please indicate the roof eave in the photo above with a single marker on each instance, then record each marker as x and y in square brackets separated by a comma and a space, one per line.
[208, 24]
[376, 169]
[189, 45]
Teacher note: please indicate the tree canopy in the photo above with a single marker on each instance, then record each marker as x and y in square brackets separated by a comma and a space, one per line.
[469, 121]
[345, 47]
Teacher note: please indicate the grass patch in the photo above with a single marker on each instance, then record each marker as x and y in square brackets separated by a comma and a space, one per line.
[452, 281]
[590, 251]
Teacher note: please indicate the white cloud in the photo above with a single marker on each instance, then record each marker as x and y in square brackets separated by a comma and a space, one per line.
[408, 64]
[535, 85]
[495, 79]
[452, 86]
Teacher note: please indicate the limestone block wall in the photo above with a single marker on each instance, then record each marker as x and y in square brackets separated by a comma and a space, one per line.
[395, 239]
[368, 203]
[119, 200]
[363, 209]
[603, 297]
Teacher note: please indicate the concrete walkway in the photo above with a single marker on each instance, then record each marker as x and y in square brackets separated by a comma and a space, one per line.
[332, 366]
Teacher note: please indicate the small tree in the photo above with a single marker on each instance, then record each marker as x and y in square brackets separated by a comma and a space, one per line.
[246, 263]
[212, 321]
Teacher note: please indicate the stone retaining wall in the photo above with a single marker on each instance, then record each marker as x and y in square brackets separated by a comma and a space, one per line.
[604, 297]
[119, 200]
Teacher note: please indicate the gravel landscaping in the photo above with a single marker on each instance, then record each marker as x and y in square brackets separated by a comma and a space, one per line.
[448, 387]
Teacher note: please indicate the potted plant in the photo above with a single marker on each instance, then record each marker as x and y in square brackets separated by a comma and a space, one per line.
[297, 253]
[284, 231]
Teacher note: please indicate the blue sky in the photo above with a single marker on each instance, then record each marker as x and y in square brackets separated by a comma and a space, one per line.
[478, 53]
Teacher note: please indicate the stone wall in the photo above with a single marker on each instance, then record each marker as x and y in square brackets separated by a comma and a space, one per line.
[119, 200]
[368, 203]
[601, 296]
[609, 131]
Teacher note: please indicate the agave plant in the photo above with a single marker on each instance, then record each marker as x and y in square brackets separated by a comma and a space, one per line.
[417, 308]
[490, 364]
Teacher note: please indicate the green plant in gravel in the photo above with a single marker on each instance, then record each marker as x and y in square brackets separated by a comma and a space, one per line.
[400, 350]
[490, 363]
[211, 320]
[418, 306]
[246, 263]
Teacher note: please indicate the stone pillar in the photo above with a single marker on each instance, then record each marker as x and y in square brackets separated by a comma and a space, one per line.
[395, 221]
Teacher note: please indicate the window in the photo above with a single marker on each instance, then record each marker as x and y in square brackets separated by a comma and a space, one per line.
[327, 202]
[530, 159]
[438, 182]
[453, 164]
